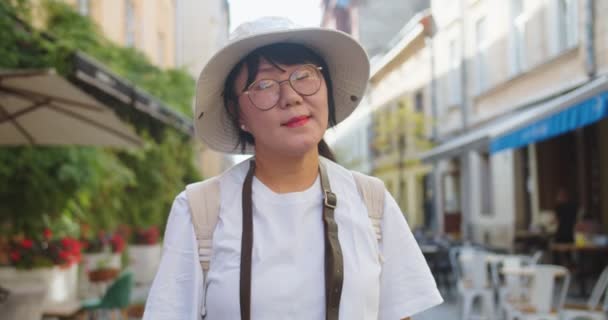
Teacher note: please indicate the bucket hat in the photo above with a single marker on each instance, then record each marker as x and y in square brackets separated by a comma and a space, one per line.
[347, 62]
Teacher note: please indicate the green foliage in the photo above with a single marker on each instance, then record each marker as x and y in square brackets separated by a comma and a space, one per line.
[157, 179]
[62, 187]
[402, 123]
[74, 31]
[37, 182]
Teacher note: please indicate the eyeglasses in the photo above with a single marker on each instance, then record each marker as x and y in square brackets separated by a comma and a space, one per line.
[264, 94]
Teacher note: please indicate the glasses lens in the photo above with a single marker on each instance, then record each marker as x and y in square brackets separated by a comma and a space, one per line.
[306, 80]
[264, 94]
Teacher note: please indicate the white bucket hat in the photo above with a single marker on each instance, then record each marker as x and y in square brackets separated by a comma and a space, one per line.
[346, 59]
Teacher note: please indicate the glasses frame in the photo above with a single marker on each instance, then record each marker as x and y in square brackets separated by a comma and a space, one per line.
[288, 80]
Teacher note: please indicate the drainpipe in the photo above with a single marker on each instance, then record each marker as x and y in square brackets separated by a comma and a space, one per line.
[590, 63]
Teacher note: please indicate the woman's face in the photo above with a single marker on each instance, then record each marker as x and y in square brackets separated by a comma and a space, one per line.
[295, 125]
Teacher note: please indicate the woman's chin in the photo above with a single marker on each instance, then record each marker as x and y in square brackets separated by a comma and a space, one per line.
[297, 147]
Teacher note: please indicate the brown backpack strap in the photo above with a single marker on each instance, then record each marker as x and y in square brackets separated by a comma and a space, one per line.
[334, 263]
[246, 245]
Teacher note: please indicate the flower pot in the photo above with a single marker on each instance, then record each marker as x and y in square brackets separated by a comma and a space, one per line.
[97, 268]
[144, 260]
[24, 301]
[61, 283]
[93, 261]
[103, 274]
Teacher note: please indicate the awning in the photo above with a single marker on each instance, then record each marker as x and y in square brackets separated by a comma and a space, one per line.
[484, 136]
[577, 116]
[39, 107]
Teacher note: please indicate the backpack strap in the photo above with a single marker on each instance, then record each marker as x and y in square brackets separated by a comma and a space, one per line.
[372, 191]
[204, 201]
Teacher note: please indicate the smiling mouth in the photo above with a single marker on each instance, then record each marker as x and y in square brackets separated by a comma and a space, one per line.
[297, 122]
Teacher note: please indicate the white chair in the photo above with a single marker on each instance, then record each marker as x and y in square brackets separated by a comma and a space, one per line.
[535, 258]
[592, 310]
[474, 283]
[511, 289]
[545, 302]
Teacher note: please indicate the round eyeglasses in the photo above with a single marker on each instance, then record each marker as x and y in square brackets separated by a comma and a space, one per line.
[264, 94]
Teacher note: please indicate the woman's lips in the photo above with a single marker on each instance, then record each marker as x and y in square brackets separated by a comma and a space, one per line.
[297, 122]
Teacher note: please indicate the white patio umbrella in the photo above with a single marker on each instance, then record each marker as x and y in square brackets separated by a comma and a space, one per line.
[39, 107]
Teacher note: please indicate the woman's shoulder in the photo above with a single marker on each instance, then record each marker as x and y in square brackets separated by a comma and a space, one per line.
[234, 175]
[342, 174]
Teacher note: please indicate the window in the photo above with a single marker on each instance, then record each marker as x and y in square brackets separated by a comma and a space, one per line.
[567, 24]
[419, 102]
[518, 31]
[454, 74]
[83, 7]
[451, 193]
[480, 55]
[129, 23]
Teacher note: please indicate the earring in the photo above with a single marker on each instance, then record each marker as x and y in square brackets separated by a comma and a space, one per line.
[243, 127]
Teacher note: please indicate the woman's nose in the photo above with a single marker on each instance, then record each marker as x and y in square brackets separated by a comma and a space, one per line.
[289, 97]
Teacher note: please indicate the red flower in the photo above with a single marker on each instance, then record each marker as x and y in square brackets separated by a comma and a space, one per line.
[15, 256]
[66, 243]
[27, 243]
[47, 233]
[64, 255]
[118, 243]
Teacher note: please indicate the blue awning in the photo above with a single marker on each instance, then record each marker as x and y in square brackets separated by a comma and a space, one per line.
[577, 116]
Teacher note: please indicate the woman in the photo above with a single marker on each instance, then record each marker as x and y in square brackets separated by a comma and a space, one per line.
[273, 91]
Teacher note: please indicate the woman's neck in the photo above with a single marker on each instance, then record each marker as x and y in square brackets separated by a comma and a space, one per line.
[283, 174]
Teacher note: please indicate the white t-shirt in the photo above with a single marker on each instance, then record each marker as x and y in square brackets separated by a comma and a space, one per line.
[288, 258]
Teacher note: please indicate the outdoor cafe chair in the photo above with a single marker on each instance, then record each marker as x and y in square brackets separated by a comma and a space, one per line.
[474, 283]
[116, 298]
[592, 309]
[509, 288]
[545, 301]
[535, 258]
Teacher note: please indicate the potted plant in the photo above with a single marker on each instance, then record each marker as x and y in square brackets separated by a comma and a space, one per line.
[103, 255]
[145, 253]
[45, 260]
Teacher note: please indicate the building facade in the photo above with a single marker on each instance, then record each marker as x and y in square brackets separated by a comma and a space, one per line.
[518, 94]
[388, 129]
[148, 26]
[399, 94]
[520, 111]
[201, 29]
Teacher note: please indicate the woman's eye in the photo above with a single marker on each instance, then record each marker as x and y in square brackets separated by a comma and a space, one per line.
[301, 75]
[263, 85]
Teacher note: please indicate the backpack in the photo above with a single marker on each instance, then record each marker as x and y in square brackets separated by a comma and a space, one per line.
[204, 201]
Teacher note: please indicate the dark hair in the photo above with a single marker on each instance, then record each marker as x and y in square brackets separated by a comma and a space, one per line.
[278, 53]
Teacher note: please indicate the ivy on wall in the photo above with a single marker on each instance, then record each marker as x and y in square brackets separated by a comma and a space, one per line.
[66, 186]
